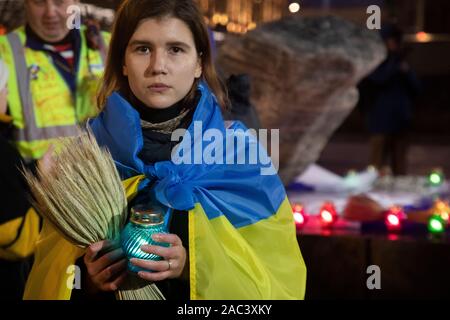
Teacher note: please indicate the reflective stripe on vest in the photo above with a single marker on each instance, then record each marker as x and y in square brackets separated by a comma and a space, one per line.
[31, 131]
[102, 49]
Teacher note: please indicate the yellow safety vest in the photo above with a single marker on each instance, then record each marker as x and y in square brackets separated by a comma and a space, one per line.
[40, 102]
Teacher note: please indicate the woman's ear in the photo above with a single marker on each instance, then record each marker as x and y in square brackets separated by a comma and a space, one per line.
[125, 70]
[198, 68]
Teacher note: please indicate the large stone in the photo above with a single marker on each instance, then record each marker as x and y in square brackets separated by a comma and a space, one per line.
[304, 74]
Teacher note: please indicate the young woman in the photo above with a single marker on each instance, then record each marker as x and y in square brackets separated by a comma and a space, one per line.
[232, 234]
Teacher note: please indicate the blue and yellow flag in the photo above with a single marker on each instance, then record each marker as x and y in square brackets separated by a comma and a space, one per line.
[242, 238]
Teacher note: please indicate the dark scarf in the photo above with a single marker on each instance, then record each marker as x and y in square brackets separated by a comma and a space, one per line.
[157, 127]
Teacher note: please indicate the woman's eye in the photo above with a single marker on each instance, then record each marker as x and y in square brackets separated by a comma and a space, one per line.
[176, 50]
[143, 49]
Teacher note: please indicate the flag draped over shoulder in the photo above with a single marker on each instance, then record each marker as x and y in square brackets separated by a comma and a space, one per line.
[242, 239]
[54, 273]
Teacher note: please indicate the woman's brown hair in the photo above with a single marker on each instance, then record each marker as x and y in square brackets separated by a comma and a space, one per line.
[128, 17]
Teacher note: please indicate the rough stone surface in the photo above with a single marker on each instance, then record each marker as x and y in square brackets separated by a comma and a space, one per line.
[304, 74]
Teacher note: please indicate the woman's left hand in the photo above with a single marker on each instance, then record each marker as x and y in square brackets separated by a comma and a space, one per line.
[174, 259]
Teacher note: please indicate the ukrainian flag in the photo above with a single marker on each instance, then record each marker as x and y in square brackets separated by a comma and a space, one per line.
[242, 239]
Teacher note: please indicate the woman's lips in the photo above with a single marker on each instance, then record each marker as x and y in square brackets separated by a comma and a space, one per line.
[158, 87]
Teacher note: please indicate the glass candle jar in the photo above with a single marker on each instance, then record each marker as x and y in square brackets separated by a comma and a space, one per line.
[144, 222]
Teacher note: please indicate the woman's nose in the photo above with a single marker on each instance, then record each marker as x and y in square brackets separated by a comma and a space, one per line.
[158, 63]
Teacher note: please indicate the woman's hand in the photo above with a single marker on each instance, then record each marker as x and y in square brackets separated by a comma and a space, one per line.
[174, 259]
[105, 271]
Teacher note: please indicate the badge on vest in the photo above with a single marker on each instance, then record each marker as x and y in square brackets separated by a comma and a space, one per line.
[34, 70]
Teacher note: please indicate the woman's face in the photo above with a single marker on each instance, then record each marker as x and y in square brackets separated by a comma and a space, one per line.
[161, 62]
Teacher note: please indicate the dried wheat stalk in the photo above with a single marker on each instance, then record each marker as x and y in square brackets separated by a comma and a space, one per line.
[83, 197]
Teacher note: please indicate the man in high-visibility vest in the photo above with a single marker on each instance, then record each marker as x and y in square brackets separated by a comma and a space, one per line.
[54, 71]
[54, 74]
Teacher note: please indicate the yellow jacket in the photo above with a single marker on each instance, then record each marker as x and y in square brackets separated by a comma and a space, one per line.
[40, 102]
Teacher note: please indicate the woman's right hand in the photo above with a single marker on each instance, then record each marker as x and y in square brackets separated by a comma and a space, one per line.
[105, 271]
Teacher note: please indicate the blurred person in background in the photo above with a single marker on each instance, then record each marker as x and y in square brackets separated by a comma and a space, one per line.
[54, 70]
[387, 96]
